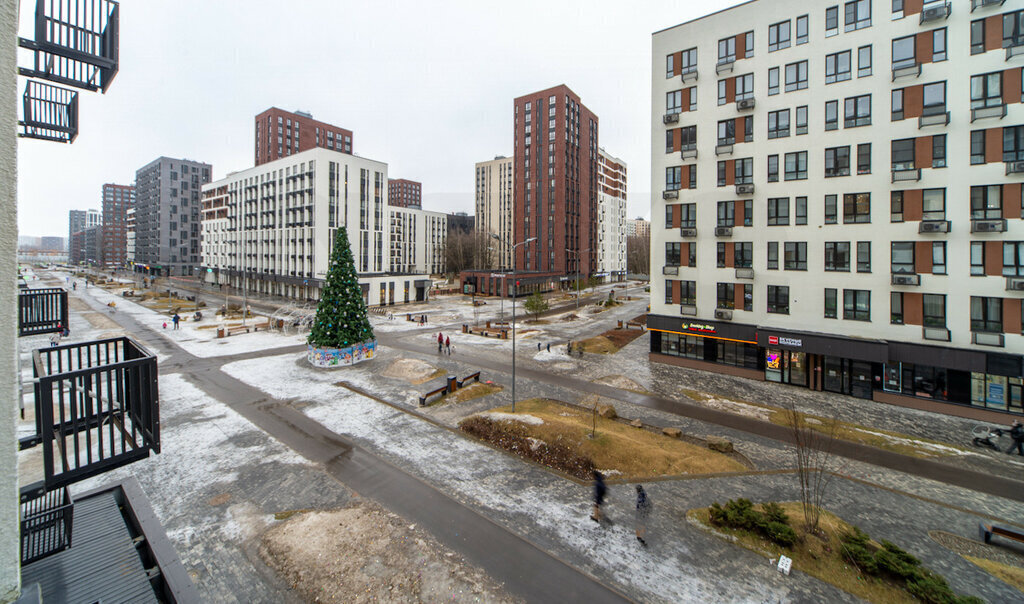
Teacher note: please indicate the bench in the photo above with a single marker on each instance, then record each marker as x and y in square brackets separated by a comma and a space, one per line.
[987, 530]
[473, 376]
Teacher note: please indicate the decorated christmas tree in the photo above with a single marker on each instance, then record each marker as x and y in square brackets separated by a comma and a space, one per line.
[341, 314]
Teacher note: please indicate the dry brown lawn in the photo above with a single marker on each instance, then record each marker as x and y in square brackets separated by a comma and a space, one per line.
[468, 393]
[1011, 575]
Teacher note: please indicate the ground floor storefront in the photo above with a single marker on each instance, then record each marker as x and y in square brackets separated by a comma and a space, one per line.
[378, 290]
[502, 283]
[948, 380]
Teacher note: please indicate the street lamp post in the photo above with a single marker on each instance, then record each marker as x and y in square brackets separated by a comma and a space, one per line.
[514, 318]
[501, 266]
[578, 258]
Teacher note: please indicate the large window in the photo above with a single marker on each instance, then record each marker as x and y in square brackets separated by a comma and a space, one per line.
[934, 310]
[977, 258]
[987, 202]
[903, 257]
[1013, 258]
[856, 208]
[934, 98]
[977, 36]
[778, 299]
[668, 286]
[831, 115]
[778, 123]
[689, 138]
[773, 168]
[800, 210]
[864, 61]
[745, 87]
[745, 171]
[903, 52]
[796, 166]
[837, 161]
[857, 304]
[689, 291]
[796, 76]
[897, 105]
[726, 214]
[831, 209]
[939, 44]
[938, 257]
[801, 29]
[674, 101]
[933, 204]
[1013, 29]
[778, 36]
[801, 120]
[903, 154]
[673, 178]
[778, 211]
[773, 81]
[727, 132]
[689, 220]
[864, 158]
[838, 67]
[837, 256]
[831, 21]
[1013, 143]
[688, 64]
[977, 147]
[857, 111]
[672, 250]
[795, 256]
[830, 303]
[939, 151]
[743, 254]
[726, 296]
[987, 314]
[896, 308]
[773, 255]
[987, 90]
[858, 14]
[727, 50]
[864, 256]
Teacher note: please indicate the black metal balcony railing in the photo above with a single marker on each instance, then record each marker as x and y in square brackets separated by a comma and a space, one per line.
[42, 311]
[96, 408]
[76, 43]
[49, 113]
[45, 523]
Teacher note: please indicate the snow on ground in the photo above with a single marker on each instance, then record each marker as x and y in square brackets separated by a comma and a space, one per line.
[478, 474]
[525, 418]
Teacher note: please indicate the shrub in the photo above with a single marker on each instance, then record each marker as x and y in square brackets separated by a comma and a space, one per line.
[740, 514]
[782, 534]
[774, 512]
[933, 589]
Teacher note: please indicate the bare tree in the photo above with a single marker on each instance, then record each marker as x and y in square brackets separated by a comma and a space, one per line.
[464, 251]
[815, 462]
[638, 255]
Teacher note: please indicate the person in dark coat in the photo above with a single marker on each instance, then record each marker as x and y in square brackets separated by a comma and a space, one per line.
[440, 341]
[448, 345]
[176, 319]
[600, 491]
[643, 510]
[1017, 434]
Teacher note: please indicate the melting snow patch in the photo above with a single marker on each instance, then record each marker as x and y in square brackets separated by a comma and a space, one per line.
[498, 416]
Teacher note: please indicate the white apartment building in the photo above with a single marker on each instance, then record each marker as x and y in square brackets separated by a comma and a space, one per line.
[417, 240]
[93, 218]
[837, 199]
[271, 228]
[611, 217]
[494, 187]
[129, 235]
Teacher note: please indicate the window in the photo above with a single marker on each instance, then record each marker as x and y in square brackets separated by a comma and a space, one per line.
[897, 9]
[934, 310]
[743, 254]
[668, 216]
[688, 61]
[745, 171]
[896, 308]
[896, 206]
[902, 257]
[727, 132]
[977, 258]
[673, 101]
[858, 14]
[831, 211]
[689, 219]
[863, 256]
[977, 147]
[831, 115]
[903, 52]
[934, 98]
[726, 296]
[692, 91]
[857, 111]
[692, 173]
[773, 81]
[939, 151]
[902, 154]
[857, 304]
[837, 162]
[773, 168]
[668, 285]
[801, 29]
[748, 212]
[987, 90]
[726, 214]
[748, 297]
[720, 254]
[796, 256]
[977, 36]
[837, 67]
[778, 124]
[745, 87]
[748, 128]
[672, 250]
[987, 314]
[837, 256]
[830, 303]
[864, 158]
[778, 299]
[796, 76]
[1013, 143]
[938, 257]
[856, 208]
[1013, 29]
[933, 204]
[689, 291]
[796, 165]
[778, 36]
[831, 21]
[864, 61]
[800, 204]
[939, 44]
[727, 50]
[778, 211]
[987, 202]
[673, 178]
[722, 95]
[1013, 258]
[689, 138]
[722, 167]
[670, 66]
[801, 120]
[773, 255]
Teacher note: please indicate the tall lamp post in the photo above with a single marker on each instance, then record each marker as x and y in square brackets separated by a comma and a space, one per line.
[501, 267]
[577, 252]
[531, 239]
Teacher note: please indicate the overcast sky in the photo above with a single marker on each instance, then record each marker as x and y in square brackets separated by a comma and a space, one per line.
[425, 86]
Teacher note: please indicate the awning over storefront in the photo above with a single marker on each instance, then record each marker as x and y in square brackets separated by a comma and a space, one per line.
[699, 327]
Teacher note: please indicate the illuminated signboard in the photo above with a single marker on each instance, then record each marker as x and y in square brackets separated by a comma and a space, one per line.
[778, 341]
[771, 360]
[699, 327]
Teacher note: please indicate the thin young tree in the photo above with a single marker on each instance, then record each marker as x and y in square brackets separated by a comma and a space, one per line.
[341, 313]
[815, 461]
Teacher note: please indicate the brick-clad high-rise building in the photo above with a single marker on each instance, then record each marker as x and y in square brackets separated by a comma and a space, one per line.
[281, 133]
[555, 194]
[404, 193]
[116, 201]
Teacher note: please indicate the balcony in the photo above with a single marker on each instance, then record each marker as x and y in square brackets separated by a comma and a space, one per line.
[905, 175]
[42, 311]
[996, 111]
[744, 273]
[689, 75]
[723, 148]
[984, 338]
[908, 70]
[939, 334]
[975, 4]
[688, 232]
[670, 270]
[940, 118]
[688, 310]
[49, 113]
[933, 226]
[906, 279]
[989, 226]
[75, 46]
[935, 11]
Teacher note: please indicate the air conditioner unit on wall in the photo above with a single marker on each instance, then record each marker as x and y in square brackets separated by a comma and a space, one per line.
[745, 104]
[1015, 167]
[725, 315]
[988, 226]
[935, 12]
[671, 118]
[934, 226]
[744, 189]
[723, 231]
[906, 279]
[1015, 284]
[687, 232]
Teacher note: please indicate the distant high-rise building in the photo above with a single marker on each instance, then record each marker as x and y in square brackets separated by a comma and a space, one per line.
[52, 244]
[404, 193]
[493, 201]
[638, 227]
[93, 218]
[167, 215]
[76, 223]
[281, 133]
[611, 217]
[129, 235]
[460, 222]
[116, 201]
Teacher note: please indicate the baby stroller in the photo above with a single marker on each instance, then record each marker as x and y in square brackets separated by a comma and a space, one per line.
[983, 436]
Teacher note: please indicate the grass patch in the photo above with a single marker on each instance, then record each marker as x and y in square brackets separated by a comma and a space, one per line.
[635, 453]
[599, 345]
[285, 515]
[818, 556]
[1011, 575]
[434, 375]
[848, 431]
[467, 393]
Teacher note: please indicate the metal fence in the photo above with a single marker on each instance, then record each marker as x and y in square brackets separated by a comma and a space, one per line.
[97, 408]
[42, 311]
[45, 523]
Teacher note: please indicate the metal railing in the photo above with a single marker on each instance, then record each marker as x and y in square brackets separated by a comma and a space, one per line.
[45, 523]
[42, 311]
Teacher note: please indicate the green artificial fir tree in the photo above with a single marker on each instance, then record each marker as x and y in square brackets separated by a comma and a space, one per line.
[341, 314]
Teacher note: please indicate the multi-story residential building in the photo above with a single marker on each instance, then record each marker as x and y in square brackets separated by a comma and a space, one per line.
[76, 223]
[167, 215]
[460, 222]
[271, 228]
[116, 201]
[53, 244]
[93, 218]
[638, 227]
[281, 133]
[852, 222]
[417, 239]
[611, 218]
[493, 201]
[129, 235]
[404, 193]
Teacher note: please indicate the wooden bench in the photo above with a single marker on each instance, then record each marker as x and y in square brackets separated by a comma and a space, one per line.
[473, 376]
[987, 530]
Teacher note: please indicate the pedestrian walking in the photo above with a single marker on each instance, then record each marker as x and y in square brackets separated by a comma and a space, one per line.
[600, 491]
[54, 340]
[643, 510]
[176, 319]
[549, 346]
[448, 345]
[440, 342]
[74, 285]
[1017, 434]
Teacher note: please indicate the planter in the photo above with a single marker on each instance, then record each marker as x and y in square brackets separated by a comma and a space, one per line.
[341, 357]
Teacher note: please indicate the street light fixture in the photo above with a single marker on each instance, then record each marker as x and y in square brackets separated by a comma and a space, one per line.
[531, 239]
[577, 252]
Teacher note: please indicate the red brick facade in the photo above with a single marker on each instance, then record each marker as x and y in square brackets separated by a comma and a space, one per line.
[404, 193]
[282, 133]
[117, 199]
